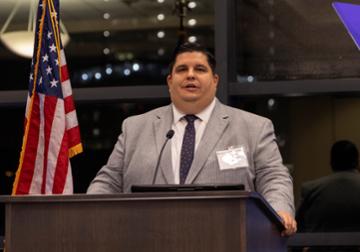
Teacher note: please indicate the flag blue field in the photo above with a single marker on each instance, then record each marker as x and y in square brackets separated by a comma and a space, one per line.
[350, 17]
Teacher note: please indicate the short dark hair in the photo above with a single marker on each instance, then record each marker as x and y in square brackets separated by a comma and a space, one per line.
[344, 156]
[193, 47]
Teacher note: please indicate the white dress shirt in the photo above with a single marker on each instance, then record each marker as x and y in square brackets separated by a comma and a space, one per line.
[178, 126]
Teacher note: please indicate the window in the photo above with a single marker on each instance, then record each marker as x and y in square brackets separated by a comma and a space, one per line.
[292, 40]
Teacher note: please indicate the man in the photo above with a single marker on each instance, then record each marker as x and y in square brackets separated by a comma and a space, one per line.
[331, 203]
[231, 145]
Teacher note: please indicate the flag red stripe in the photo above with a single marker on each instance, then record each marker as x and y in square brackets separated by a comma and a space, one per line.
[30, 151]
[73, 136]
[64, 73]
[69, 104]
[49, 111]
[62, 168]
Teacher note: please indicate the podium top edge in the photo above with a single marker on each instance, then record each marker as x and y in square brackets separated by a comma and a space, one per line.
[127, 196]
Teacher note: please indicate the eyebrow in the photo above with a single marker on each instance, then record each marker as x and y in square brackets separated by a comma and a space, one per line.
[197, 65]
[181, 66]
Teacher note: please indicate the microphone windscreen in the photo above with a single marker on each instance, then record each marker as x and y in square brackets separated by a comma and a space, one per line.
[170, 134]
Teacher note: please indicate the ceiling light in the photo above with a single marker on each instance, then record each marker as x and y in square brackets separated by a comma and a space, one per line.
[98, 76]
[106, 15]
[250, 78]
[161, 34]
[192, 22]
[106, 34]
[21, 42]
[271, 103]
[160, 17]
[84, 76]
[127, 72]
[160, 1]
[192, 39]
[129, 56]
[161, 51]
[106, 51]
[121, 56]
[136, 67]
[192, 5]
[108, 70]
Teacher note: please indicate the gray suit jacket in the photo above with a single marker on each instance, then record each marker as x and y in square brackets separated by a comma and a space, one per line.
[135, 154]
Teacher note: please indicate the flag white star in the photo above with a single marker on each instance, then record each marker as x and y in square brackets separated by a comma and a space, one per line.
[53, 83]
[49, 35]
[40, 81]
[31, 77]
[57, 62]
[45, 58]
[52, 48]
[48, 70]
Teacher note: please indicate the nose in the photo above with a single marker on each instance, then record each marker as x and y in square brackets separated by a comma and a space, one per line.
[191, 73]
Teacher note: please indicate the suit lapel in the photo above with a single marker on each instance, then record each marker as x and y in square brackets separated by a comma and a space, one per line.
[162, 124]
[212, 134]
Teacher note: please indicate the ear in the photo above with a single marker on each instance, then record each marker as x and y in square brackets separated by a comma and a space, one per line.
[216, 79]
[169, 80]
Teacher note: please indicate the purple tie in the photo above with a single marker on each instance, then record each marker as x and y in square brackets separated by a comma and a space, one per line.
[188, 147]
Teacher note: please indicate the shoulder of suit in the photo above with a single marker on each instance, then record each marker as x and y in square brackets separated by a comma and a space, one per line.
[239, 113]
[157, 112]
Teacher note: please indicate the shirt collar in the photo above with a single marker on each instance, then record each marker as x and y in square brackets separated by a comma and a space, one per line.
[204, 115]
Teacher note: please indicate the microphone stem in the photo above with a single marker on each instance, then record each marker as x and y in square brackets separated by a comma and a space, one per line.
[158, 161]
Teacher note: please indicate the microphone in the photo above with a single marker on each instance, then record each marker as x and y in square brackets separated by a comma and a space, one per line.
[169, 135]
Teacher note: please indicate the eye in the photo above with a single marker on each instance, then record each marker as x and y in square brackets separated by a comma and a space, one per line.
[201, 68]
[181, 69]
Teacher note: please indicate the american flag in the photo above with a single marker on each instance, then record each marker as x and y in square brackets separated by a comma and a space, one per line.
[52, 133]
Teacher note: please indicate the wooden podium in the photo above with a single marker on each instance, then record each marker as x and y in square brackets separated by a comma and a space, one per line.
[156, 222]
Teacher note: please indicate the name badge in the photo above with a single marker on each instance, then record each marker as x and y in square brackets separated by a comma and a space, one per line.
[232, 158]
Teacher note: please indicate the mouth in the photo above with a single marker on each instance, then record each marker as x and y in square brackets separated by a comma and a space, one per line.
[190, 87]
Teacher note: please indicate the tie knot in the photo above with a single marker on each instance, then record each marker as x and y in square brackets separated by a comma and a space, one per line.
[190, 118]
